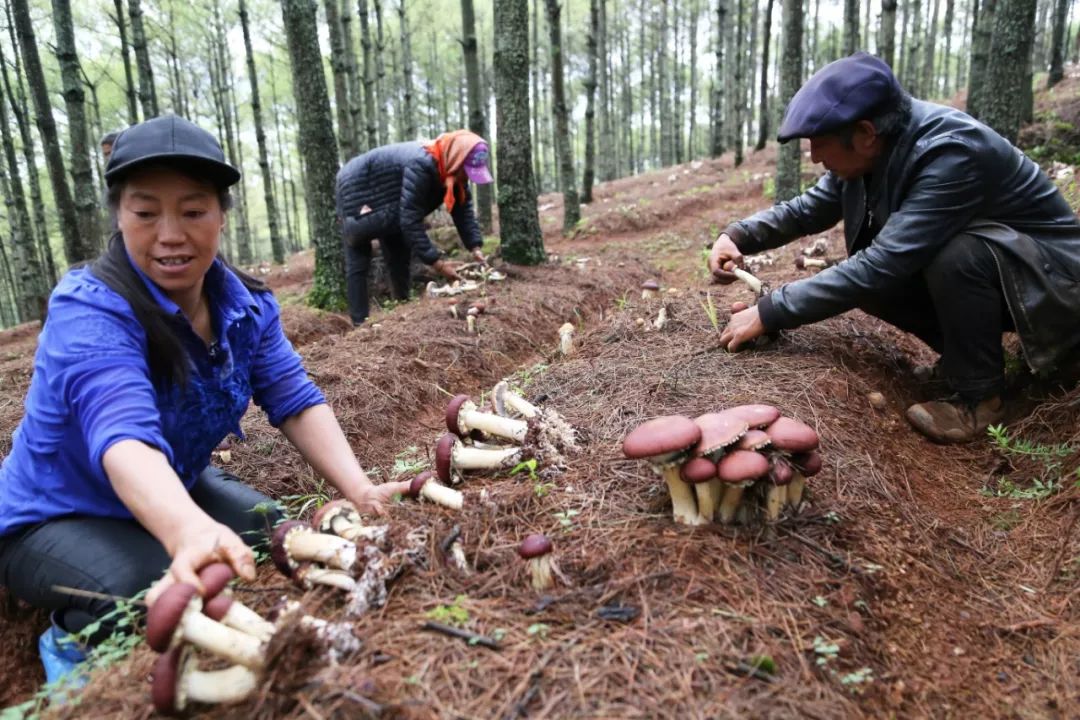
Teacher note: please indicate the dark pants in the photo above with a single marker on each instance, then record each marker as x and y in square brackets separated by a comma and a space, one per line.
[396, 254]
[957, 307]
[112, 556]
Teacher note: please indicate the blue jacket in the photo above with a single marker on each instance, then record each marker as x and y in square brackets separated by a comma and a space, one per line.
[91, 388]
[401, 185]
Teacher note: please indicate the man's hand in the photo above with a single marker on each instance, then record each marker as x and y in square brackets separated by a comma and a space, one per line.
[723, 258]
[197, 548]
[744, 326]
[478, 255]
[446, 268]
[373, 499]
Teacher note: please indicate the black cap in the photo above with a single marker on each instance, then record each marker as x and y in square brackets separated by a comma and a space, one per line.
[171, 140]
[842, 92]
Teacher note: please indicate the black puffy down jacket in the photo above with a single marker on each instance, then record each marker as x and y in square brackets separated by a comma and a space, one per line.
[401, 185]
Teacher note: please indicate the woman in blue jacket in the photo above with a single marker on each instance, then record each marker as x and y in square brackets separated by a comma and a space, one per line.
[148, 359]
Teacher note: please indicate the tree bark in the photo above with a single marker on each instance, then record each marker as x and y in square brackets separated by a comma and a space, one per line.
[1057, 43]
[147, 91]
[369, 75]
[887, 36]
[125, 55]
[607, 163]
[317, 148]
[980, 55]
[561, 119]
[408, 115]
[381, 94]
[519, 223]
[691, 146]
[244, 254]
[716, 146]
[950, 12]
[740, 62]
[927, 84]
[356, 92]
[851, 26]
[477, 116]
[587, 175]
[912, 67]
[763, 109]
[1010, 53]
[345, 134]
[788, 160]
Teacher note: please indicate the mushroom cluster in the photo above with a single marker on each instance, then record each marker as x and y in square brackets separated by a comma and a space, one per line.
[729, 465]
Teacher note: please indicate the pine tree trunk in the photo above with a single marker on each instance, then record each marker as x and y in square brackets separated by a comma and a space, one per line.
[76, 247]
[381, 93]
[125, 55]
[352, 74]
[85, 190]
[590, 101]
[317, 147]
[627, 101]
[763, 109]
[1057, 43]
[408, 123]
[691, 133]
[277, 247]
[342, 103]
[369, 75]
[561, 119]
[477, 117]
[716, 146]
[912, 66]
[950, 12]
[177, 77]
[607, 163]
[663, 72]
[980, 57]
[740, 62]
[887, 37]
[519, 223]
[147, 91]
[851, 26]
[788, 177]
[928, 84]
[1002, 106]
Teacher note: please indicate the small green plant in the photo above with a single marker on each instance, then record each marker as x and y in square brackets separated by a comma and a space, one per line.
[538, 630]
[700, 657]
[297, 505]
[819, 601]
[825, 650]
[453, 614]
[1048, 457]
[764, 663]
[768, 187]
[566, 519]
[409, 461]
[710, 311]
[620, 303]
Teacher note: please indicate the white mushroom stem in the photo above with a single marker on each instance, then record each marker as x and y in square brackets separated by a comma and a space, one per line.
[506, 401]
[304, 545]
[214, 637]
[241, 617]
[729, 505]
[470, 323]
[709, 496]
[442, 495]
[312, 575]
[647, 294]
[470, 418]
[230, 685]
[683, 504]
[808, 262]
[454, 312]
[458, 559]
[749, 279]
[795, 490]
[566, 339]
[661, 319]
[540, 569]
[225, 456]
[467, 458]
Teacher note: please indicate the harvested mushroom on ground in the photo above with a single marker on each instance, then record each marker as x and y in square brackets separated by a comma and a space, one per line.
[719, 431]
[739, 469]
[649, 289]
[536, 549]
[566, 338]
[424, 485]
[462, 417]
[177, 681]
[806, 465]
[754, 439]
[506, 401]
[470, 320]
[307, 575]
[339, 517]
[224, 451]
[294, 541]
[661, 319]
[665, 443]
[803, 263]
[452, 456]
[220, 605]
[176, 616]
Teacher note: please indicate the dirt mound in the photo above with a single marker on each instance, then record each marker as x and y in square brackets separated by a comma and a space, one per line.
[1055, 134]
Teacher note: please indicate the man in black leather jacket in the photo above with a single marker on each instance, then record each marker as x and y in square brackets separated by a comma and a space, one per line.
[953, 235]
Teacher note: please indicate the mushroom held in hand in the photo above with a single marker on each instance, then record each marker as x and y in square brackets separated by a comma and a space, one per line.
[178, 681]
[177, 616]
[462, 417]
[649, 289]
[665, 442]
[451, 455]
[220, 605]
[537, 550]
[294, 541]
[566, 338]
[424, 485]
[738, 469]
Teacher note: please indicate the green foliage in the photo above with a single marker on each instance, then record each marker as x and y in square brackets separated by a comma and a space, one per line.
[1048, 460]
[453, 614]
[710, 311]
[763, 663]
[566, 519]
[300, 504]
[768, 188]
[538, 631]
[408, 462]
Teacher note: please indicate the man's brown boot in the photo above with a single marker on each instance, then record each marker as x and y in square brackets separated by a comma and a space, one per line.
[955, 421]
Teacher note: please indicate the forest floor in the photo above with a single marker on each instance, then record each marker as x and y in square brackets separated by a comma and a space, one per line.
[920, 581]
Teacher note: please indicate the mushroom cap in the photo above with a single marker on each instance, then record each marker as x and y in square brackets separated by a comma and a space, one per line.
[165, 614]
[697, 470]
[217, 606]
[479, 306]
[418, 483]
[756, 416]
[650, 285]
[800, 262]
[740, 466]
[534, 546]
[167, 671]
[754, 439]
[791, 436]
[323, 517]
[566, 328]
[214, 577]
[444, 455]
[453, 409]
[278, 552]
[225, 444]
[718, 431]
[808, 463]
[780, 470]
[660, 437]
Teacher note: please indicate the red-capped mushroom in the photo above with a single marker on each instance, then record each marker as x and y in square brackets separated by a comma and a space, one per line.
[806, 465]
[756, 416]
[179, 682]
[739, 469]
[294, 541]
[719, 431]
[780, 475]
[536, 549]
[665, 443]
[649, 289]
[451, 456]
[506, 401]
[791, 437]
[424, 485]
[177, 616]
[754, 440]
[219, 603]
[462, 417]
[700, 473]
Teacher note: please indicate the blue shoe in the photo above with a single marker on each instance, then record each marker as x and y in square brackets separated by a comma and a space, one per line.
[61, 654]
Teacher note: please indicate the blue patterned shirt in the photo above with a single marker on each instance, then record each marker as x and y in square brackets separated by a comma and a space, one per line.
[91, 388]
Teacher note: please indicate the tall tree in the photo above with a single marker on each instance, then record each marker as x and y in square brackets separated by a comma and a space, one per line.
[927, 82]
[561, 117]
[851, 26]
[125, 55]
[277, 247]
[664, 83]
[76, 247]
[408, 116]
[691, 146]
[912, 74]
[85, 191]
[590, 101]
[519, 223]
[739, 84]
[147, 91]
[318, 149]
[381, 93]
[1057, 43]
[887, 33]
[788, 171]
[763, 109]
[947, 30]
[477, 117]
[607, 163]
[716, 146]
[1010, 53]
[339, 70]
[368, 74]
[356, 91]
[980, 55]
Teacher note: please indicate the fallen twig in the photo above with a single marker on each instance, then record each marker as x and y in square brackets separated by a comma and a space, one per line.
[470, 637]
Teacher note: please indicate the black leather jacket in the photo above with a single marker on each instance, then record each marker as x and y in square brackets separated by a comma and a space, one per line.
[944, 174]
[401, 185]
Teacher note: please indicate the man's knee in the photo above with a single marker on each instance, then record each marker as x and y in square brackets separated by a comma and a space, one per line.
[964, 260]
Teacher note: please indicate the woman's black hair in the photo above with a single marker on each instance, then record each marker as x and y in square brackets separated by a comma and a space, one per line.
[165, 352]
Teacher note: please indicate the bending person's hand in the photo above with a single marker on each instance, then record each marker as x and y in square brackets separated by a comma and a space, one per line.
[478, 255]
[723, 257]
[446, 268]
[744, 326]
[373, 499]
[197, 548]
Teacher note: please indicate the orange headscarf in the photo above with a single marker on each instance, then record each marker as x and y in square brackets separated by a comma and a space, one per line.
[450, 150]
